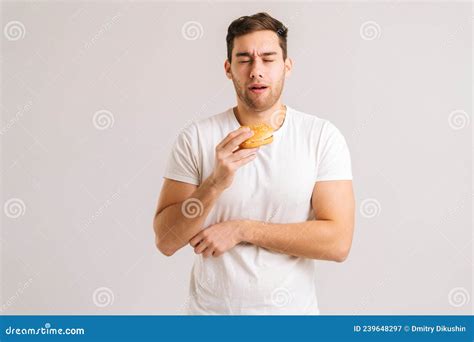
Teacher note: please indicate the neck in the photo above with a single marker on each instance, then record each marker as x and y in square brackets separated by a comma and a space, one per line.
[273, 116]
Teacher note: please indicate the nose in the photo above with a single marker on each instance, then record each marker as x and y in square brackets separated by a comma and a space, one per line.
[256, 70]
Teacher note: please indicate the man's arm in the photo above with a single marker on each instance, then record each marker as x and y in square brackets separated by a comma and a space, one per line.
[183, 208]
[329, 237]
[176, 220]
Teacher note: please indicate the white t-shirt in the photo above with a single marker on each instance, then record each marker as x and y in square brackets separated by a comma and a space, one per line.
[275, 187]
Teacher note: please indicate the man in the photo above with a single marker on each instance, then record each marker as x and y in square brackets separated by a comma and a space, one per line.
[257, 218]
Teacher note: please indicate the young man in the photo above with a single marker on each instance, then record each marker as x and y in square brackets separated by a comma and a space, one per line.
[257, 218]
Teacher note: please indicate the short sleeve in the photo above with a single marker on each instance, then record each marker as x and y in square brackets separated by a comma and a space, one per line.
[182, 164]
[334, 160]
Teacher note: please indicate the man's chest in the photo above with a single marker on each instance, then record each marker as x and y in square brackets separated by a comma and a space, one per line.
[276, 186]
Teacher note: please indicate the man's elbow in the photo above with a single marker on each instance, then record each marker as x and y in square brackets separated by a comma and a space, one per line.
[341, 257]
[344, 243]
[163, 246]
[342, 252]
[160, 243]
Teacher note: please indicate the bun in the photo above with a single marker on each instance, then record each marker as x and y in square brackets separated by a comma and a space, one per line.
[262, 135]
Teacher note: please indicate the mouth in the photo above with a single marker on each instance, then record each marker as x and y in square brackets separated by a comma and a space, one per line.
[258, 89]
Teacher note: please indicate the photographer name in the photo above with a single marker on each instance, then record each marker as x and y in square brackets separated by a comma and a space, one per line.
[437, 328]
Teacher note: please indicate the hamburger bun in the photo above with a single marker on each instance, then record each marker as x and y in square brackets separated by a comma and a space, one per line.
[262, 135]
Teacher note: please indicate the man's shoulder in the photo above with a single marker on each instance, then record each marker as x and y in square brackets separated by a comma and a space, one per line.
[306, 119]
[314, 124]
[205, 123]
[211, 121]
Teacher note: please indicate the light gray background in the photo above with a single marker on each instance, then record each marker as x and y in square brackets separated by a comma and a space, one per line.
[79, 194]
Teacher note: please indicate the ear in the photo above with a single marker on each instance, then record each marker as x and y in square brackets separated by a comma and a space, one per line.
[288, 66]
[227, 69]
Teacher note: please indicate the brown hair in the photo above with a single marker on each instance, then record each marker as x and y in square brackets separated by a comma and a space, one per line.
[257, 22]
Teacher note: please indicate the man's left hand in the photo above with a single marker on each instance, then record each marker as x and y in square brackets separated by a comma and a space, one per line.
[218, 238]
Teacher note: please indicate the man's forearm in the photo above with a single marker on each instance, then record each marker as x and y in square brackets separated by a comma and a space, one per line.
[320, 239]
[178, 223]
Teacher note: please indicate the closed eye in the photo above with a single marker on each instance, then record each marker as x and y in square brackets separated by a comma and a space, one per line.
[265, 60]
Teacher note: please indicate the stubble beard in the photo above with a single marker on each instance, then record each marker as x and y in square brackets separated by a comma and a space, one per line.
[259, 102]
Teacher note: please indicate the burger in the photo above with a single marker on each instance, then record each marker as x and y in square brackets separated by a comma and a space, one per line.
[262, 135]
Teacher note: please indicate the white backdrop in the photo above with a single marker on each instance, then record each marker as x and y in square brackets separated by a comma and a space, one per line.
[94, 93]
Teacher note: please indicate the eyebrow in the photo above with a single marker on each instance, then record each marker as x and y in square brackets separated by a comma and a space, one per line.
[248, 54]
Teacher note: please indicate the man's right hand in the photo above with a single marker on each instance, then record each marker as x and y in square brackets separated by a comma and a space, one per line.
[229, 157]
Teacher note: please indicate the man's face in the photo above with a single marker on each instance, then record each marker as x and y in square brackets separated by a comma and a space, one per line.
[258, 58]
